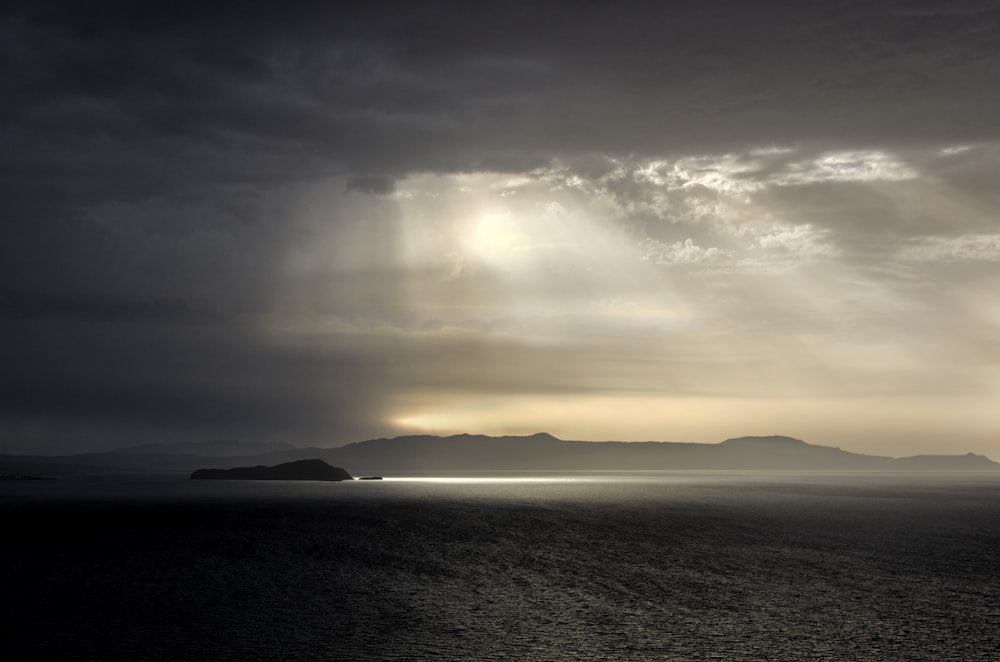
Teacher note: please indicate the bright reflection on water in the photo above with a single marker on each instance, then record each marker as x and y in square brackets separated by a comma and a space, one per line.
[487, 480]
[589, 485]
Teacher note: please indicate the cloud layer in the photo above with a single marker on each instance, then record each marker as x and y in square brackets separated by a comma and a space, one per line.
[333, 224]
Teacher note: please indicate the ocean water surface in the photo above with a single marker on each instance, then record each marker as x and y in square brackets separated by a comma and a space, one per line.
[691, 565]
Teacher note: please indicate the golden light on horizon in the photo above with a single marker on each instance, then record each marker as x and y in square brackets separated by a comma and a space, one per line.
[666, 300]
[883, 425]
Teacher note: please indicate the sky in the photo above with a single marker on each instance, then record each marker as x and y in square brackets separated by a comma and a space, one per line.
[680, 221]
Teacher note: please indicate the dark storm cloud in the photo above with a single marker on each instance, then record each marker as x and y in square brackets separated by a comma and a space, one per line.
[375, 184]
[153, 159]
[260, 95]
[62, 306]
[183, 100]
[101, 381]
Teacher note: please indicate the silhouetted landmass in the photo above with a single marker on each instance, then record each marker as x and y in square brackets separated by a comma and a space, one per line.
[299, 470]
[428, 455]
[543, 452]
[966, 462]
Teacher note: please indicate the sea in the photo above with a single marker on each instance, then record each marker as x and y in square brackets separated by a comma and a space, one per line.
[587, 566]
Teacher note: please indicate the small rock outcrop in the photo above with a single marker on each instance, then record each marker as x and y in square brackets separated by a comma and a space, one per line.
[299, 470]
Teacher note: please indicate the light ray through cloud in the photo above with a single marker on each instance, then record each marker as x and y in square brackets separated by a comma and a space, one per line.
[585, 301]
[331, 225]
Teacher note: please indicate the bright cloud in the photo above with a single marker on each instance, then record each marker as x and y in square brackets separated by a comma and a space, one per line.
[978, 248]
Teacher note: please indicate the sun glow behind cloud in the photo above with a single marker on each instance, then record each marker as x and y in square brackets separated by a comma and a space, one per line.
[689, 298]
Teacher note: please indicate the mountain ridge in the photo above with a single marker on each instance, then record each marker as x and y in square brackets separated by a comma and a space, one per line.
[429, 454]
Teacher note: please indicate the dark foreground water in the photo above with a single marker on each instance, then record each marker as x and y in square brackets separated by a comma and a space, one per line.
[658, 566]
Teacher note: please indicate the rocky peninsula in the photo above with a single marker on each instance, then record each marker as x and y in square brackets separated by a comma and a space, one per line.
[298, 470]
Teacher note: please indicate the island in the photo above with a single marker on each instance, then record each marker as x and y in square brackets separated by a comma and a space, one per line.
[298, 470]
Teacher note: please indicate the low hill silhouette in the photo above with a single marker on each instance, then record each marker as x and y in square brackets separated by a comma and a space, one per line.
[428, 454]
[299, 470]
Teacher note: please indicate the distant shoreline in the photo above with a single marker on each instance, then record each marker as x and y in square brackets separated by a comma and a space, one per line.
[428, 455]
